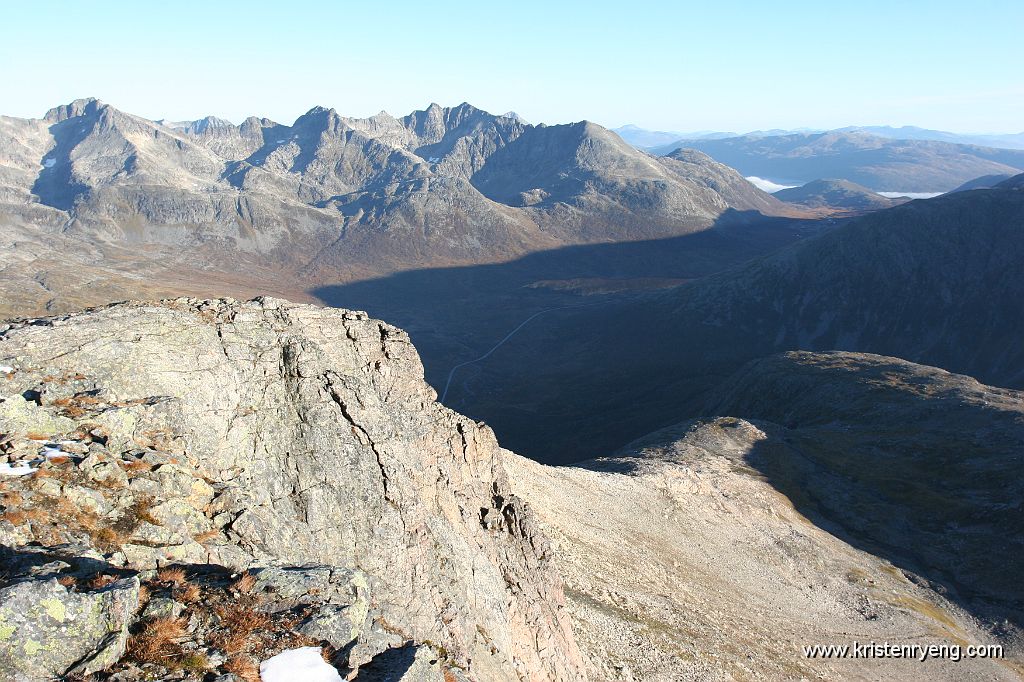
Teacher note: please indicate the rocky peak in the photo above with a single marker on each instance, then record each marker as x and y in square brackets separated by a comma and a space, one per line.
[321, 120]
[209, 125]
[80, 107]
[248, 435]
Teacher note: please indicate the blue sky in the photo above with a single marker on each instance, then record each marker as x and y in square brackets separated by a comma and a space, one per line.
[718, 64]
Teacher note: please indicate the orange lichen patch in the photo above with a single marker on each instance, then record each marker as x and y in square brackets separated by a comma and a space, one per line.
[206, 536]
[16, 518]
[135, 466]
[36, 515]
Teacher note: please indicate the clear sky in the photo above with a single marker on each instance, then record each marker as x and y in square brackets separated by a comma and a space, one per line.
[717, 64]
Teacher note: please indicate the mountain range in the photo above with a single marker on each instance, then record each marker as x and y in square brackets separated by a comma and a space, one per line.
[330, 193]
[879, 163]
[645, 139]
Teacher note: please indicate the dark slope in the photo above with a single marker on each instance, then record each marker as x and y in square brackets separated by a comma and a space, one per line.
[934, 281]
[984, 182]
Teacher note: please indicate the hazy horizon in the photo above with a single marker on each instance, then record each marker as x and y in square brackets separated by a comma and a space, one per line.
[728, 67]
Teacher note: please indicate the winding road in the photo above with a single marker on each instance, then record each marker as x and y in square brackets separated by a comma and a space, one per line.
[451, 374]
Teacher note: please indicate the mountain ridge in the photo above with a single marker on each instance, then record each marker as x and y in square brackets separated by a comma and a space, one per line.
[331, 192]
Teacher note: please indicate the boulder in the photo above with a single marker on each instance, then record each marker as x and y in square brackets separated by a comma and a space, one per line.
[47, 631]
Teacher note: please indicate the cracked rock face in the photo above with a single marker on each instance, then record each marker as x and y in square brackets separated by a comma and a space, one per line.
[266, 433]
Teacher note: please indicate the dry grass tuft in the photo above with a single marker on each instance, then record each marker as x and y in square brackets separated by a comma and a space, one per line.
[232, 643]
[158, 640]
[67, 581]
[241, 627]
[100, 580]
[244, 619]
[245, 583]
[107, 539]
[188, 594]
[174, 575]
[139, 511]
[243, 666]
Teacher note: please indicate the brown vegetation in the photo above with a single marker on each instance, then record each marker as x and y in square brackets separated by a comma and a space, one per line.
[174, 575]
[245, 583]
[243, 666]
[158, 640]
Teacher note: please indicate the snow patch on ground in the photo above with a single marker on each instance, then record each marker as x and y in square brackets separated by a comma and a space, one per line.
[298, 665]
[17, 469]
[6, 369]
[52, 452]
[767, 185]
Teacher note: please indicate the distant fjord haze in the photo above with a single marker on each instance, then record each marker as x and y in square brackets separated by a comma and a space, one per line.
[882, 158]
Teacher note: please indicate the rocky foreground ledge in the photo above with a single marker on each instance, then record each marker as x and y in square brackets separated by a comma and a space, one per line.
[191, 487]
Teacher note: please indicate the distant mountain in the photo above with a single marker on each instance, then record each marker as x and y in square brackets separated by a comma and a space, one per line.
[836, 195]
[642, 138]
[646, 139]
[336, 194]
[881, 164]
[1007, 141]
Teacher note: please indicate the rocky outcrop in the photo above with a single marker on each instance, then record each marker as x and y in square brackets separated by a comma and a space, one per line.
[269, 434]
[47, 630]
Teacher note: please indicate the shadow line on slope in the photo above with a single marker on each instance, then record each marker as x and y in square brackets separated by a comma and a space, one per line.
[454, 314]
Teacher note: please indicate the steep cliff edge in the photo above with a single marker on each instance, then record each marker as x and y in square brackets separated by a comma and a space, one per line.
[263, 434]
